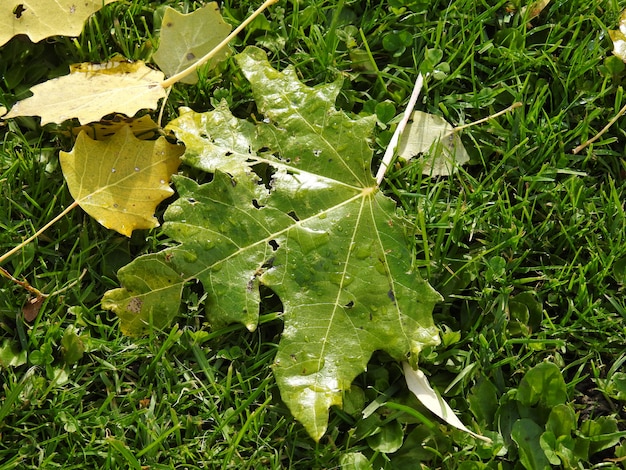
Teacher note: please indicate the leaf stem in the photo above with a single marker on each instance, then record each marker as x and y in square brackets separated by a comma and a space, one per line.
[515, 105]
[17, 248]
[599, 134]
[24, 284]
[180, 75]
[391, 148]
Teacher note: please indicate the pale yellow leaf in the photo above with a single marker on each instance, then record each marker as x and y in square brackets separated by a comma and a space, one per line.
[535, 8]
[121, 180]
[432, 139]
[40, 19]
[187, 38]
[618, 37]
[418, 384]
[143, 127]
[92, 91]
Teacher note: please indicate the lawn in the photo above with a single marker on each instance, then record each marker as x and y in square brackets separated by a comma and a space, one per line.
[525, 243]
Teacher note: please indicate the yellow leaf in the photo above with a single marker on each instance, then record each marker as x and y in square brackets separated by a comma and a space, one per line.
[618, 37]
[44, 18]
[121, 180]
[92, 91]
[534, 9]
[143, 127]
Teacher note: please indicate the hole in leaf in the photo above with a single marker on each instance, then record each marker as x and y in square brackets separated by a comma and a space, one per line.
[349, 304]
[293, 215]
[274, 244]
[270, 302]
[19, 10]
[256, 204]
[190, 56]
[265, 173]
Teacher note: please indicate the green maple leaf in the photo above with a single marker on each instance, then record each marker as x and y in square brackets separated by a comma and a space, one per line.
[318, 232]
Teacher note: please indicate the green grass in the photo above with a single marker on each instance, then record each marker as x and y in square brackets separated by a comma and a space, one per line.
[526, 244]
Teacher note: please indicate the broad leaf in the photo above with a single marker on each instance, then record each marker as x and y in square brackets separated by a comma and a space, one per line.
[121, 180]
[432, 138]
[92, 91]
[40, 19]
[526, 434]
[314, 228]
[186, 38]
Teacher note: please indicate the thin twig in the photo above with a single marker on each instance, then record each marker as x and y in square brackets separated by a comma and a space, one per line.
[8, 254]
[515, 105]
[203, 60]
[14, 250]
[24, 284]
[393, 143]
[604, 129]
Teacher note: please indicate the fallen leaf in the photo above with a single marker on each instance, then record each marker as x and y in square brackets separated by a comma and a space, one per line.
[534, 9]
[32, 307]
[619, 38]
[121, 180]
[92, 91]
[185, 38]
[40, 19]
[418, 384]
[433, 138]
[318, 232]
[143, 128]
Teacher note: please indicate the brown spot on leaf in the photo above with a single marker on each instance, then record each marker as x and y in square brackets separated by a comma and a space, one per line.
[135, 304]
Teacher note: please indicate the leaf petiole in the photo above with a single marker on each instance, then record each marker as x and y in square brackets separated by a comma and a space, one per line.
[391, 148]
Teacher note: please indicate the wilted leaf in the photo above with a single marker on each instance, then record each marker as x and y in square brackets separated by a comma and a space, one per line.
[432, 137]
[32, 307]
[315, 229]
[143, 127]
[186, 38]
[44, 18]
[418, 384]
[92, 91]
[619, 38]
[121, 180]
[535, 8]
